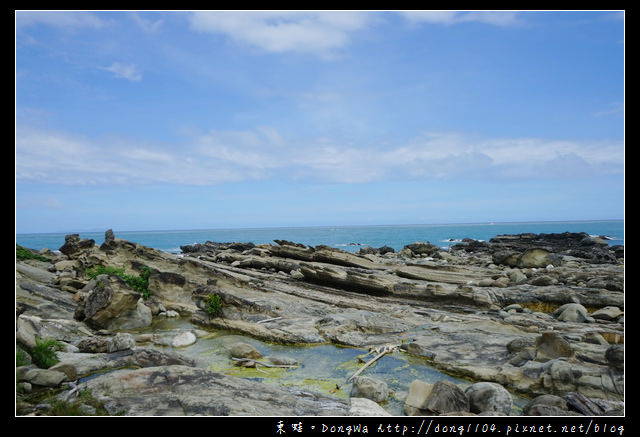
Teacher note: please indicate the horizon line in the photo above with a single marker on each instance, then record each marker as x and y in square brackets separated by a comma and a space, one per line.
[487, 223]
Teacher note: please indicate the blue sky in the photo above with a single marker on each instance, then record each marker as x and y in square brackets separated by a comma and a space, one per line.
[216, 119]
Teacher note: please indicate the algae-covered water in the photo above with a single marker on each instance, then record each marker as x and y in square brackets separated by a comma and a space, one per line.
[322, 368]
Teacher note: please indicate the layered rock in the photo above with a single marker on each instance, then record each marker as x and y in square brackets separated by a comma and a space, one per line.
[111, 304]
[177, 390]
[544, 319]
[73, 245]
[535, 249]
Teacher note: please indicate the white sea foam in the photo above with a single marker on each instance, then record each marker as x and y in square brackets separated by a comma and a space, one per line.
[606, 237]
[456, 240]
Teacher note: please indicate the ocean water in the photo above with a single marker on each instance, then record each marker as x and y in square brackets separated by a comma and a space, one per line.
[350, 238]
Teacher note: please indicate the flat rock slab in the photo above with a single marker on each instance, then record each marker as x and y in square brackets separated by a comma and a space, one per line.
[34, 273]
[44, 377]
[178, 390]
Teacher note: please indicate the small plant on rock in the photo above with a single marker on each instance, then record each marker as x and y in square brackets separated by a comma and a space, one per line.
[214, 304]
[21, 358]
[23, 253]
[84, 405]
[138, 283]
[44, 354]
[93, 272]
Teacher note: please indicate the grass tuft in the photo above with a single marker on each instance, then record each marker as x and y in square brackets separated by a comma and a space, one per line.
[22, 253]
[44, 354]
[138, 283]
[214, 304]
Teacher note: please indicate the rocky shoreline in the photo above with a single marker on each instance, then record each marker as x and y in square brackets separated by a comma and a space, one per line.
[538, 315]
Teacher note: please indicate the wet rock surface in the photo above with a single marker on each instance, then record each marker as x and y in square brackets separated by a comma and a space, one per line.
[539, 315]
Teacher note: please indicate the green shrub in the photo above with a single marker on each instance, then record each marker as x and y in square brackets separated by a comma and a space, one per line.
[23, 253]
[138, 283]
[214, 304]
[92, 273]
[21, 358]
[44, 353]
[74, 407]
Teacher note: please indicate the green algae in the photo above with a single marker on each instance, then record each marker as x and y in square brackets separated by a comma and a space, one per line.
[322, 368]
[256, 372]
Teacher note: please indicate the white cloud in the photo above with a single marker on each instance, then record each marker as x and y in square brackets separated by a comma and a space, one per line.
[129, 72]
[613, 109]
[140, 154]
[40, 202]
[243, 149]
[450, 155]
[263, 153]
[320, 32]
[66, 19]
[495, 18]
[149, 26]
[317, 32]
[443, 17]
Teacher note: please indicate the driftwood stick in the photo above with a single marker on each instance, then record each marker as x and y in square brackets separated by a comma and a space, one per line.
[367, 364]
[73, 391]
[262, 363]
[260, 370]
[270, 320]
[385, 350]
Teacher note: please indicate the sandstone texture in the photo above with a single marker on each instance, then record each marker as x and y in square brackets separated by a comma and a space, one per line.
[539, 315]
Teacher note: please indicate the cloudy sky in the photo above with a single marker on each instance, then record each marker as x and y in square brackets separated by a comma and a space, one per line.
[217, 119]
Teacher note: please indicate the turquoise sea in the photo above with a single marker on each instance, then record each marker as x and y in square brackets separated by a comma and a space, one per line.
[349, 238]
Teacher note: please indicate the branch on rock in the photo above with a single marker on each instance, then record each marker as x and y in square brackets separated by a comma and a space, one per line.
[270, 320]
[382, 351]
[240, 361]
[74, 391]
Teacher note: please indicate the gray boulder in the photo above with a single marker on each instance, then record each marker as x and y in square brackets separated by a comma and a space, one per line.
[282, 361]
[506, 257]
[245, 350]
[536, 258]
[44, 377]
[446, 397]
[608, 313]
[27, 329]
[111, 304]
[365, 407]
[370, 388]
[73, 245]
[183, 339]
[109, 236]
[551, 345]
[615, 356]
[543, 281]
[547, 405]
[521, 343]
[422, 248]
[121, 341]
[489, 397]
[419, 391]
[583, 405]
[100, 344]
[573, 312]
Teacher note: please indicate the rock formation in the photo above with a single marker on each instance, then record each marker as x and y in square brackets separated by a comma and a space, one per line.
[540, 315]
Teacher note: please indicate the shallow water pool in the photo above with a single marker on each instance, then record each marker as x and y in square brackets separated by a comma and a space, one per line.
[322, 368]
